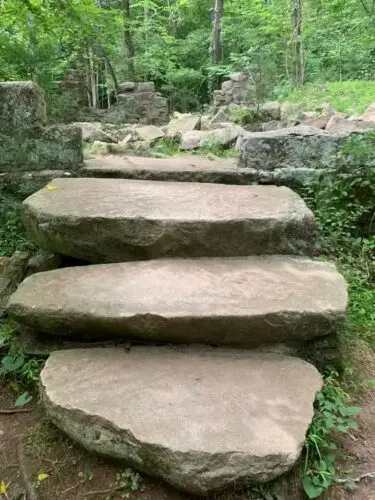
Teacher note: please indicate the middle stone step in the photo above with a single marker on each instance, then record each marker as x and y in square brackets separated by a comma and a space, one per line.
[233, 301]
[111, 220]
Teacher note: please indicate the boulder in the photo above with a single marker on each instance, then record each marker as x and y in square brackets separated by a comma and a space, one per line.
[327, 109]
[193, 139]
[369, 114]
[104, 220]
[145, 87]
[22, 109]
[182, 124]
[220, 117]
[271, 125]
[319, 121]
[342, 126]
[55, 148]
[102, 147]
[149, 133]
[203, 420]
[270, 111]
[287, 110]
[295, 148]
[224, 136]
[122, 133]
[126, 87]
[248, 301]
[92, 131]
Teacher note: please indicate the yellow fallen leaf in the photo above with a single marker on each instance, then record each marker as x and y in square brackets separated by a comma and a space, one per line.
[52, 187]
[3, 489]
[42, 476]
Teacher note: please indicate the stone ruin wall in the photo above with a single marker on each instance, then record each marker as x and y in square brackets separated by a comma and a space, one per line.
[238, 90]
[27, 143]
[136, 103]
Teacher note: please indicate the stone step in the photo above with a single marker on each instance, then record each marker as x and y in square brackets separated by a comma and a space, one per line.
[201, 419]
[234, 301]
[111, 220]
[178, 168]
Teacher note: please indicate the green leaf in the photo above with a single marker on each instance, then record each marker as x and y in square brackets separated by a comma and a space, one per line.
[12, 364]
[311, 490]
[349, 410]
[23, 399]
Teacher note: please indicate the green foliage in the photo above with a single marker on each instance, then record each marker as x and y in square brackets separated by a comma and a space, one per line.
[41, 40]
[12, 232]
[19, 370]
[129, 480]
[351, 97]
[342, 199]
[332, 415]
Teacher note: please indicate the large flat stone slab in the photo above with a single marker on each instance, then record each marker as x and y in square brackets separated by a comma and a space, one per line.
[177, 168]
[239, 301]
[294, 147]
[202, 420]
[110, 220]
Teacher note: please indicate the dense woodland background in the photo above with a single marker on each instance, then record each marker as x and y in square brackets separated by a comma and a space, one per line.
[186, 46]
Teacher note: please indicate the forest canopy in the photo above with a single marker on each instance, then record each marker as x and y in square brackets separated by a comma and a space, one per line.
[285, 43]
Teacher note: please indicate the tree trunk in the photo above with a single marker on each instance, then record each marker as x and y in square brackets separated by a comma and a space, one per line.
[298, 59]
[129, 46]
[217, 48]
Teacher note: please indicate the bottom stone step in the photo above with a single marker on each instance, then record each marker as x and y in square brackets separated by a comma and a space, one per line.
[202, 419]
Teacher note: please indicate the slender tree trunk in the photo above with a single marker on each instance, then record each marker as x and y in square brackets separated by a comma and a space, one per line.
[94, 100]
[217, 48]
[298, 59]
[146, 18]
[129, 45]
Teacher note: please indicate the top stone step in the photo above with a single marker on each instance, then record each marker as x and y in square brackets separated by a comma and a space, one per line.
[178, 169]
[109, 220]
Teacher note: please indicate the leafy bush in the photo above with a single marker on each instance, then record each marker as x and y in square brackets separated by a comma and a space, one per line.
[332, 415]
[12, 232]
[343, 200]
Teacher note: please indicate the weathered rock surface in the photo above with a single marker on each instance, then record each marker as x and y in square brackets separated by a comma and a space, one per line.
[149, 133]
[22, 108]
[294, 147]
[201, 419]
[56, 147]
[319, 121]
[193, 139]
[248, 301]
[369, 114]
[92, 131]
[14, 269]
[271, 125]
[110, 220]
[270, 110]
[182, 124]
[219, 117]
[224, 135]
[178, 168]
[239, 90]
[342, 126]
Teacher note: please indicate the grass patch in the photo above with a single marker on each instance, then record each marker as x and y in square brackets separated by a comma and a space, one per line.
[351, 97]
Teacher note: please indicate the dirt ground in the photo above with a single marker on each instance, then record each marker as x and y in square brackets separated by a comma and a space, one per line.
[74, 474]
